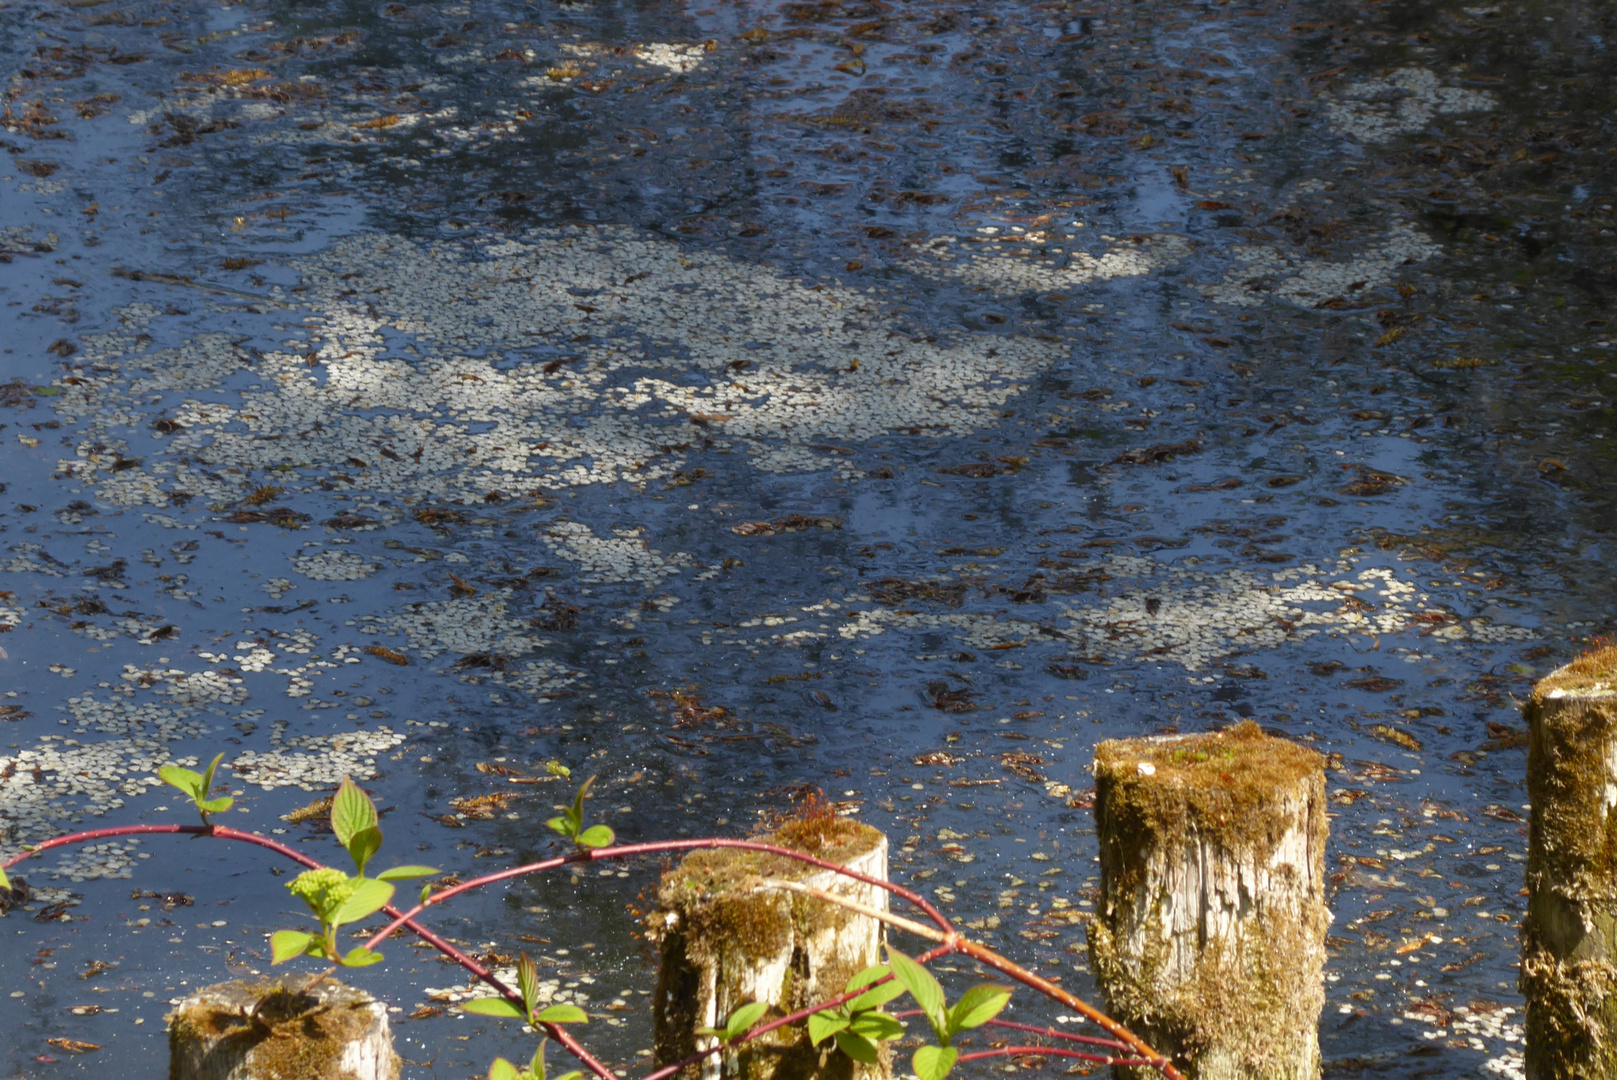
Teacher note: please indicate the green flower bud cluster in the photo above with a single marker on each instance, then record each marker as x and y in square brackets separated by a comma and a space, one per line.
[324, 889]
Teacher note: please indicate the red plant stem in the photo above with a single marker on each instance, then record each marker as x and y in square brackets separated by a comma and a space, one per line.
[1056, 1033]
[1046, 1051]
[954, 943]
[1072, 1001]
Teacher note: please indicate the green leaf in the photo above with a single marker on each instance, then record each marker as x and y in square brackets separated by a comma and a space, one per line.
[934, 1062]
[47, 391]
[922, 987]
[5, 882]
[562, 1014]
[857, 1047]
[556, 768]
[574, 1075]
[215, 806]
[536, 1064]
[528, 982]
[426, 891]
[368, 898]
[360, 956]
[561, 825]
[494, 1006]
[577, 812]
[351, 811]
[184, 779]
[823, 1025]
[502, 1070]
[207, 777]
[742, 1019]
[877, 996]
[875, 1025]
[362, 845]
[595, 836]
[977, 1006]
[405, 873]
[285, 944]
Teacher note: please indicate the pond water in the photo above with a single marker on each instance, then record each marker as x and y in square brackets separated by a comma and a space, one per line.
[892, 398]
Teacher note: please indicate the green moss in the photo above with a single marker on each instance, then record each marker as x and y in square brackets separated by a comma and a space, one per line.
[1219, 786]
[297, 1036]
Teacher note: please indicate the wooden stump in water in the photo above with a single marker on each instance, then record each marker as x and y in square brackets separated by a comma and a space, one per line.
[1569, 938]
[725, 943]
[1209, 939]
[332, 1032]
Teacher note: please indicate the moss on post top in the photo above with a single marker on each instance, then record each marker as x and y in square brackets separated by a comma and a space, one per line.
[1223, 786]
[1594, 674]
[716, 871]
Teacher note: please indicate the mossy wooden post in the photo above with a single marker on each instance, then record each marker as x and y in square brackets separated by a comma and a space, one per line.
[1569, 938]
[1209, 940]
[331, 1032]
[725, 943]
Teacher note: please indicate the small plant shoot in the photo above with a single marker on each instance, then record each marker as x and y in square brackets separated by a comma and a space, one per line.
[529, 1011]
[858, 1025]
[335, 898]
[571, 823]
[975, 1008]
[504, 1070]
[196, 786]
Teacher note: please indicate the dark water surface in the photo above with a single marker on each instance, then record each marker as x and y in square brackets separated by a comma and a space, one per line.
[887, 397]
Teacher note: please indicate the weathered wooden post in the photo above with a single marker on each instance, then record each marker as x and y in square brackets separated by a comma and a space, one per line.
[1209, 939]
[725, 941]
[269, 1030]
[1569, 938]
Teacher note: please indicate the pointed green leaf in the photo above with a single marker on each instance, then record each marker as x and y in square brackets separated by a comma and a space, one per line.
[977, 1006]
[368, 899]
[207, 777]
[578, 801]
[405, 873]
[562, 1014]
[876, 996]
[823, 1025]
[742, 1019]
[502, 1070]
[215, 806]
[595, 836]
[561, 825]
[285, 944]
[494, 1006]
[934, 1062]
[351, 811]
[922, 987]
[360, 956]
[426, 891]
[184, 779]
[875, 1025]
[5, 882]
[536, 1064]
[857, 1047]
[528, 982]
[362, 846]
